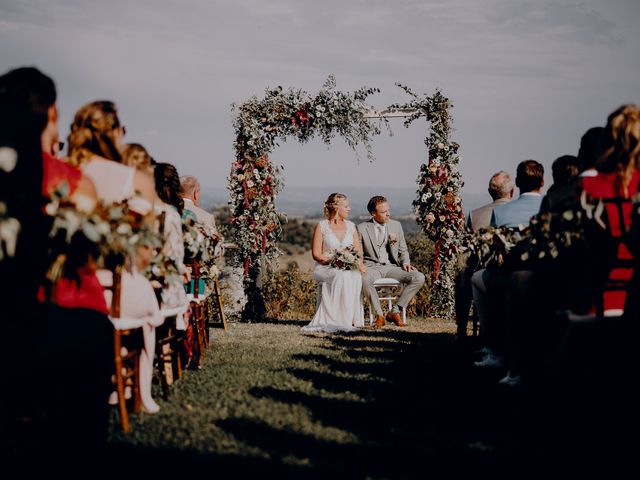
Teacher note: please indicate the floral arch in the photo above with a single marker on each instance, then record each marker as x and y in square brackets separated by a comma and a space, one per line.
[254, 181]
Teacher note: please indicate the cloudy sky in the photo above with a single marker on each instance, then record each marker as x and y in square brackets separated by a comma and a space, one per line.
[527, 78]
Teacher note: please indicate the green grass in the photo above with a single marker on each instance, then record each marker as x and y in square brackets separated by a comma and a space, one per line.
[273, 395]
[395, 403]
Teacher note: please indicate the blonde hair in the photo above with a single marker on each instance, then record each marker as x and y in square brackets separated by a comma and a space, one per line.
[622, 155]
[92, 133]
[135, 155]
[188, 185]
[331, 204]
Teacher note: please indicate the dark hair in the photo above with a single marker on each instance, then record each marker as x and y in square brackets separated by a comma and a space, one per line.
[168, 185]
[563, 170]
[374, 202]
[26, 94]
[592, 146]
[529, 176]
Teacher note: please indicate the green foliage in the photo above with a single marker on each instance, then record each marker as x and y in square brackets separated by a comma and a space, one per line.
[290, 295]
[297, 232]
[259, 125]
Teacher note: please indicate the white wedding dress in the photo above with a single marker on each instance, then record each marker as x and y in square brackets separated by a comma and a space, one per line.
[339, 306]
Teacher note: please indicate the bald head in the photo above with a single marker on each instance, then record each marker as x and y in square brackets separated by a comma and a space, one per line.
[501, 185]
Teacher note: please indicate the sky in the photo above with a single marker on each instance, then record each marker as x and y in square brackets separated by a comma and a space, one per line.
[526, 78]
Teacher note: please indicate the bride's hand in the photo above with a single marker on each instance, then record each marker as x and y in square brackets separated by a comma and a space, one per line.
[362, 267]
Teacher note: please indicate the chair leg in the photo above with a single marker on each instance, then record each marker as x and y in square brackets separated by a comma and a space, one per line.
[218, 301]
[122, 405]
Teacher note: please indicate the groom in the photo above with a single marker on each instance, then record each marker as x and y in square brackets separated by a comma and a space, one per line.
[386, 255]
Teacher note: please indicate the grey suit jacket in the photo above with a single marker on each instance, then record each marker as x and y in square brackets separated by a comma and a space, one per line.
[481, 217]
[398, 251]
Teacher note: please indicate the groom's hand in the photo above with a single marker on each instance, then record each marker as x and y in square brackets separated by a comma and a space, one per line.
[408, 268]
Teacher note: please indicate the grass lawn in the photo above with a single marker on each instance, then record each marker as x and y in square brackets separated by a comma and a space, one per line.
[395, 403]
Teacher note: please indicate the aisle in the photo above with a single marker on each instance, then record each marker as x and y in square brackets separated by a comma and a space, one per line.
[373, 403]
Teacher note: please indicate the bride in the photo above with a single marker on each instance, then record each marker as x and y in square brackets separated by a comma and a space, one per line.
[339, 306]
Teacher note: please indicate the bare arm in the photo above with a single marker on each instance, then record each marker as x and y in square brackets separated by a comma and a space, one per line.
[316, 247]
[357, 244]
[85, 196]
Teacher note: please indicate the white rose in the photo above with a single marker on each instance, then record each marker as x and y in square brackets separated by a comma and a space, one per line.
[8, 159]
[250, 183]
[124, 229]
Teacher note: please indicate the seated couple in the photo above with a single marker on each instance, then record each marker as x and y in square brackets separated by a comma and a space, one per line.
[382, 252]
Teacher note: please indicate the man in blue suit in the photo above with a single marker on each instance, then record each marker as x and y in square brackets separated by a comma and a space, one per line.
[529, 179]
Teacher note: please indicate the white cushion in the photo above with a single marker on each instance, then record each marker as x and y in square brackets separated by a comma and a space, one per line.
[198, 299]
[386, 282]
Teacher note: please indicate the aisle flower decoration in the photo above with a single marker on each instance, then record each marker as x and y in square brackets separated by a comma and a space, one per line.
[113, 230]
[199, 245]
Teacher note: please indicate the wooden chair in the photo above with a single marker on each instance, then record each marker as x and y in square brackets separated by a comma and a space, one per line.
[168, 359]
[198, 320]
[127, 344]
[215, 311]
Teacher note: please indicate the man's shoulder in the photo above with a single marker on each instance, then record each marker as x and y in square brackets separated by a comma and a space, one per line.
[363, 224]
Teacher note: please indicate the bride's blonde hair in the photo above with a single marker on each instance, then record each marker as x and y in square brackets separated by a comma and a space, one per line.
[331, 205]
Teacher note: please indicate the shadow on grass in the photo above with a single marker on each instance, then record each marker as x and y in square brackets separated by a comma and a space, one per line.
[362, 459]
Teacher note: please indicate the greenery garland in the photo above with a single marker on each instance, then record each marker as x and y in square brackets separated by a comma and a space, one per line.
[438, 206]
[254, 182]
[259, 125]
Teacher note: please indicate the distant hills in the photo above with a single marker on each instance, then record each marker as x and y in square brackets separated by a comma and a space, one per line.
[308, 201]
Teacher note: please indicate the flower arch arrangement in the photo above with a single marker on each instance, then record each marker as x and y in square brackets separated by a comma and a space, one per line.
[254, 181]
[438, 205]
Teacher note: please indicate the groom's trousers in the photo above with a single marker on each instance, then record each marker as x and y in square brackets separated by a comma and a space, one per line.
[412, 282]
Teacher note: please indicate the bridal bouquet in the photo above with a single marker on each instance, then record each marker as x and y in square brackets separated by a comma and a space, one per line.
[344, 259]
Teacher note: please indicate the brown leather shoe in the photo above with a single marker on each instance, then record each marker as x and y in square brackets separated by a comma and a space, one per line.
[380, 322]
[395, 318]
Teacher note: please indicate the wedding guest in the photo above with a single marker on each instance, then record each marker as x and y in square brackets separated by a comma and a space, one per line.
[74, 338]
[386, 255]
[592, 146]
[135, 155]
[489, 288]
[94, 145]
[139, 307]
[501, 189]
[167, 183]
[529, 180]
[563, 170]
[190, 192]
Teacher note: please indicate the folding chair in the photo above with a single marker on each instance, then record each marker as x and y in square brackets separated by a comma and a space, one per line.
[388, 289]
